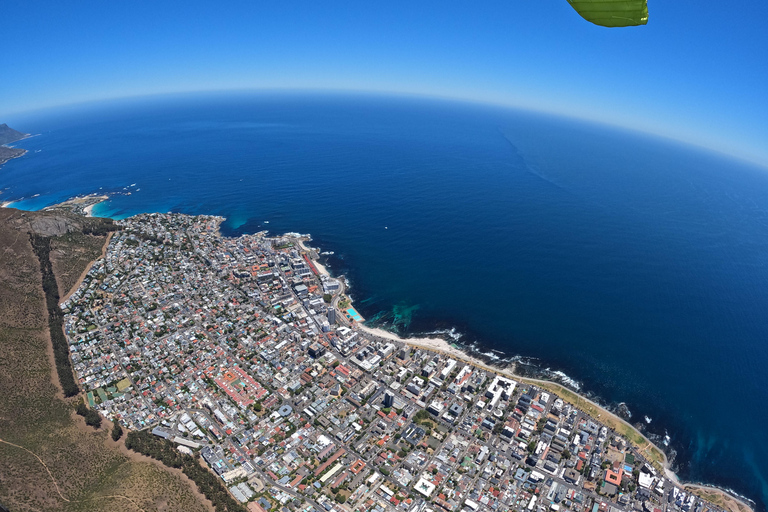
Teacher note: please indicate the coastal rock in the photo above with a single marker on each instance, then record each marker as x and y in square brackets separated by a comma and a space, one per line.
[53, 226]
[7, 153]
[46, 225]
[623, 411]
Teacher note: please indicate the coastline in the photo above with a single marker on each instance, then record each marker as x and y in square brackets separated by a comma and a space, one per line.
[724, 498]
[319, 266]
[88, 210]
[721, 497]
[6, 159]
[82, 205]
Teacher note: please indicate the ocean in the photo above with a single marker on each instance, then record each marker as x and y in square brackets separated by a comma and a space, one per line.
[633, 266]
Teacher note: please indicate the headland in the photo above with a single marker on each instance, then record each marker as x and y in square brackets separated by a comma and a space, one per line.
[7, 136]
[82, 205]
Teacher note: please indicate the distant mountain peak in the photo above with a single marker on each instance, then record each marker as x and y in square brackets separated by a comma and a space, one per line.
[8, 134]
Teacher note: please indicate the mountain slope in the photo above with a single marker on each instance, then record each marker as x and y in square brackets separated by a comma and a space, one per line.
[8, 134]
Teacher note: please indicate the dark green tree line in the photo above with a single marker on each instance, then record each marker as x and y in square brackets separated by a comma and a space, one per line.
[42, 247]
[163, 450]
[92, 418]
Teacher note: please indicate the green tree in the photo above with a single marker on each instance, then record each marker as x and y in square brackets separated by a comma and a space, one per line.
[117, 431]
[93, 418]
[82, 409]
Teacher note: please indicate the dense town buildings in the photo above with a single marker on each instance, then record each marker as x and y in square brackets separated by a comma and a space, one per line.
[238, 348]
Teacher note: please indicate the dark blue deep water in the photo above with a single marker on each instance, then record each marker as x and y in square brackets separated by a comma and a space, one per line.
[635, 265]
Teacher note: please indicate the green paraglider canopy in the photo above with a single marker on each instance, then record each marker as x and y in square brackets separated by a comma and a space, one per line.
[612, 13]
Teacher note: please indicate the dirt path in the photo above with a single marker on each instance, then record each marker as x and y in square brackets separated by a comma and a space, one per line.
[49, 343]
[55, 484]
[114, 445]
[137, 457]
[133, 457]
[87, 269]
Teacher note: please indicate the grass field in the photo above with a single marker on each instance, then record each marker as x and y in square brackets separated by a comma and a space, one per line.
[719, 498]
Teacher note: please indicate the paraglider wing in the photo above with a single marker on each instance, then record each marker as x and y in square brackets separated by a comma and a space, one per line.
[612, 13]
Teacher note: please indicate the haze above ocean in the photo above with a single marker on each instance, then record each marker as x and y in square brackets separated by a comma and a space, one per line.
[635, 265]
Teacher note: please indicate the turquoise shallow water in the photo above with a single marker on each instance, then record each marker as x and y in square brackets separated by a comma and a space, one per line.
[636, 266]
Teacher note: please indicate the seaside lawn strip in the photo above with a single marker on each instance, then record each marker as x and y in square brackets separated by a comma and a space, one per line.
[643, 445]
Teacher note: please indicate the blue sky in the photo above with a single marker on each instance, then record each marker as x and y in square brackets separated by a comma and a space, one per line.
[697, 72]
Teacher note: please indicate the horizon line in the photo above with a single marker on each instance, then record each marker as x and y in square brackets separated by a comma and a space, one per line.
[401, 93]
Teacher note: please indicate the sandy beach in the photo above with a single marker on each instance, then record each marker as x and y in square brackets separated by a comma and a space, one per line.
[321, 269]
[319, 266]
[434, 344]
[88, 210]
[92, 202]
[82, 204]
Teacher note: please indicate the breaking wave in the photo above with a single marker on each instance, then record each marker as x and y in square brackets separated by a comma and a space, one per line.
[563, 378]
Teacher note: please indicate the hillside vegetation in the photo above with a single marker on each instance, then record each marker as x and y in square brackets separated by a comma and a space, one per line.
[79, 467]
